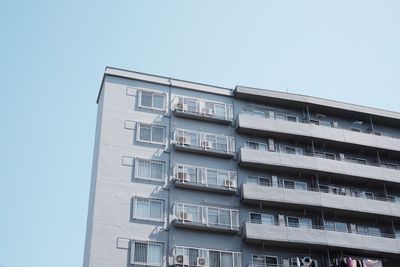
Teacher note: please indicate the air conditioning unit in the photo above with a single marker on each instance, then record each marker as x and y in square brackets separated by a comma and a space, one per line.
[184, 216]
[201, 261]
[181, 260]
[182, 140]
[206, 145]
[335, 124]
[182, 176]
[207, 111]
[308, 262]
[228, 183]
[179, 106]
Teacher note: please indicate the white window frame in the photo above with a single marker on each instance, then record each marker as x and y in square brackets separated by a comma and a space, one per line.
[137, 176]
[140, 92]
[134, 209]
[265, 260]
[140, 124]
[148, 242]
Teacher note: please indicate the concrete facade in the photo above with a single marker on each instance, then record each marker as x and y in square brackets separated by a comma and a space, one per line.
[189, 174]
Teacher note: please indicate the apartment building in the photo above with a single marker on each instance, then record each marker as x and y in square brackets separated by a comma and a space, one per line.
[193, 175]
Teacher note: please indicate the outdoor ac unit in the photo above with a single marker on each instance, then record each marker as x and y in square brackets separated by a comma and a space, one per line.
[181, 260]
[182, 176]
[335, 124]
[184, 216]
[206, 145]
[307, 261]
[207, 111]
[201, 261]
[228, 183]
[179, 106]
[182, 140]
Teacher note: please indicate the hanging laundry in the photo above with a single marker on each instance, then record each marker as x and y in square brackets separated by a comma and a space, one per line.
[372, 263]
[351, 262]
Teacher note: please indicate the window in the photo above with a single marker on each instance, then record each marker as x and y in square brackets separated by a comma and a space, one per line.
[149, 169]
[262, 181]
[151, 99]
[336, 226]
[148, 209]
[299, 222]
[262, 218]
[151, 133]
[146, 253]
[221, 143]
[394, 199]
[264, 261]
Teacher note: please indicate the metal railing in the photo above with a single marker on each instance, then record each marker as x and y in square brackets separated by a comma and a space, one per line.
[322, 228]
[328, 189]
[205, 176]
[273, 116]
[331, 156]
[207, 216]
[204, 108]
[205, 141]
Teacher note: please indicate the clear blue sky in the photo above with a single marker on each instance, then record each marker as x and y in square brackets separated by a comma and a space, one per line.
[53, 53]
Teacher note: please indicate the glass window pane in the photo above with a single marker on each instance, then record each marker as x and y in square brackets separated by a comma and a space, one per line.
[157, 170]
[144, 168]
[226, 259]
[212, 177]
[220, 110]
[193, 254]
[214, 259]
[288, 184]
[252, 179]
[158, 134]
[191, 105]
[329, 226]
[192, 138]
[221, 143]
[293, 222]
[225, 217]
[145, 133]
[140, 252]
[300, 185]
[305, 223]
[213, 216]
[142, 208]
[156, 210]
[146, 100]
[158, 101]
[154, 254]
[341, 227]
[265, 181]
[255, 218]
[267, 219]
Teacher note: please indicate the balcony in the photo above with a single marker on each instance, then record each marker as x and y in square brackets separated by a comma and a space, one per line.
[254, 154]
[317, 236]
[270, 123]
[204, 143]
[206, 179]
[205, 110]
[206, 218]
[205, 257]
[313, 197]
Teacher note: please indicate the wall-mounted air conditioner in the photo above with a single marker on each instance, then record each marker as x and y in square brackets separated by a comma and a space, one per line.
[206, 145]
[201, 261]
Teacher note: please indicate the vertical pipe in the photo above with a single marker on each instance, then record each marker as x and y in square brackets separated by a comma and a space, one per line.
[308, 114]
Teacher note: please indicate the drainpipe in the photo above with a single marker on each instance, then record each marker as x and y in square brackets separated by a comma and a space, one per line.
[169, 168]
[308, 115]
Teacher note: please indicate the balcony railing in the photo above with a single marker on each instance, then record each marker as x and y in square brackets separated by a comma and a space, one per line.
[207, 177]
[203, 108]
[212, 217]
[328, 189]
[331, 156]
[331, 124]
[207, 142]
[349, 230]
[205, 257]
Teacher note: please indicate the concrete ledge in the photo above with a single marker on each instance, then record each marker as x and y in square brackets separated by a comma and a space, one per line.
[312, 237]
[252, 193]
[265, 159]
[251, 123]
[203, 187]
[197, 116]
[204, 227]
